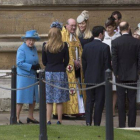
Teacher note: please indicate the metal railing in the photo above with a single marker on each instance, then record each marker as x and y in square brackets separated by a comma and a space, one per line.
[42, 99]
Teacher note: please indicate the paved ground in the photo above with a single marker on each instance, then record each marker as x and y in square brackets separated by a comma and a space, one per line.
[5, 117]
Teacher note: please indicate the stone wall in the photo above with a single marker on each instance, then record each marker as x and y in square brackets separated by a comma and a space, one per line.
[18, 16]
[39, 2]
[18, 22]
[14, 24]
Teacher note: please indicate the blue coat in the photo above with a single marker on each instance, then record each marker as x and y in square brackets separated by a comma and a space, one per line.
[26, 57]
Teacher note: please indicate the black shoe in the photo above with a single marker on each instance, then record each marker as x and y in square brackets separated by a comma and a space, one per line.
[58, 122]
[49, 123]
[55, 116]
[32, 121]
[66, 117]
[19, 122]
[63, 117]
[81, 117]
[88, 124]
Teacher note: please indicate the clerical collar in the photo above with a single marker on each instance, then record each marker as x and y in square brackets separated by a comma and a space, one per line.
[96, 38]
[125, 33]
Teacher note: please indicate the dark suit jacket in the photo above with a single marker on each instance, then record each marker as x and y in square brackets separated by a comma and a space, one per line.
[126, 57]
[95, 60]
[55, 62]
[85, 41]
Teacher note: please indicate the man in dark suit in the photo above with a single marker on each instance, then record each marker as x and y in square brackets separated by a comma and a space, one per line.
[126, 66]
[95, 60]
[118, 17]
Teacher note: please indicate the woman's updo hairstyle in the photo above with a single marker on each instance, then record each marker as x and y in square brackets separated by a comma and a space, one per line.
[56, 24]
[110, 22]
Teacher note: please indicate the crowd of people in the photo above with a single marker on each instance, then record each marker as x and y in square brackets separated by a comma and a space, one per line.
[76, 54]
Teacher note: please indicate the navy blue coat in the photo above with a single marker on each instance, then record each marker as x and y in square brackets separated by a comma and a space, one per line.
[85, 41]
[96, 60]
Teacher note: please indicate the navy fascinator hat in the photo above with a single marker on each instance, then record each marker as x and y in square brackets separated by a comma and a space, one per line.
[56, 24]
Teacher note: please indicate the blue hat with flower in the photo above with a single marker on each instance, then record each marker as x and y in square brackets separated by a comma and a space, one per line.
[31, 34]
[56, 24]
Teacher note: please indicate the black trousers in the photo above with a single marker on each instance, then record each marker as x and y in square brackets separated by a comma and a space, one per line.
[131, 96]
[95, 97]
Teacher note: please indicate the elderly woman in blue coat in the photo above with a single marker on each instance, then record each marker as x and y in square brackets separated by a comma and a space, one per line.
[27, 64]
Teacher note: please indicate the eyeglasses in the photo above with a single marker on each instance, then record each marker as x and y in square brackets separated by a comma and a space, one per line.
[72, 26]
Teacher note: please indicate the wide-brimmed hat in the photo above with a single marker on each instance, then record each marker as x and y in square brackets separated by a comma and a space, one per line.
[83, 16]
[31, 34]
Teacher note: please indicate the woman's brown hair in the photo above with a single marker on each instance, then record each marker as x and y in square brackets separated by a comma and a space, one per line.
[55, 43]
[110, 22]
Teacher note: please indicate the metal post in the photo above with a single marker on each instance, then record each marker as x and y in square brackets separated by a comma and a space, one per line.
[13, 117]
[109, 106]
[42, 106]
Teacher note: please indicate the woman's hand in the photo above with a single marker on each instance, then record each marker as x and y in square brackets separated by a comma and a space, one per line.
[36, 67]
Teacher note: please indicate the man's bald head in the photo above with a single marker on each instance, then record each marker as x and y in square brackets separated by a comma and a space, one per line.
[124, 26]
[70, 20]
[71, 25]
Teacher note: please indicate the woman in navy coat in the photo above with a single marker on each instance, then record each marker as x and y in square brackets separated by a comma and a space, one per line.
[55, 58]
[27, 64]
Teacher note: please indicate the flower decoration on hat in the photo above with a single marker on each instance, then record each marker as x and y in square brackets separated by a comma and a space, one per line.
[31, 34]
[85, 15]
[56, 24]
[35, 34]
[69, 68]
[72, 91]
